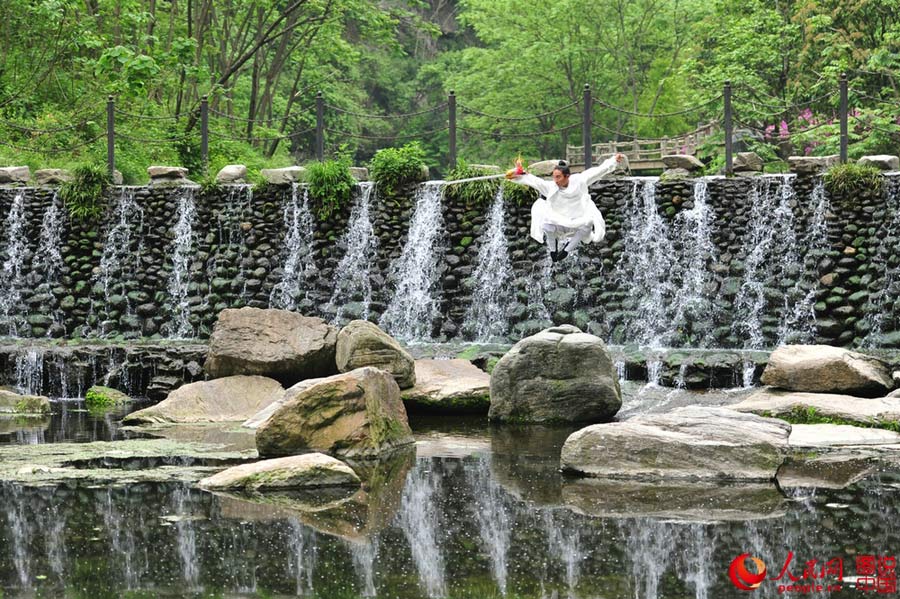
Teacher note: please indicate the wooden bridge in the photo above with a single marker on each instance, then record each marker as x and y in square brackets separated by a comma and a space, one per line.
[644, 154]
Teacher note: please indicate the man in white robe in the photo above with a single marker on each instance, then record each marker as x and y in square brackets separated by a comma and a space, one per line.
[568, 216]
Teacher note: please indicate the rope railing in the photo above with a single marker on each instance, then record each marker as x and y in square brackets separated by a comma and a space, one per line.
[519, 119]
[277, 119]
[143, 117]
[53, 151]
[50, 131]
[501, 135]
[260, 139]
[698, 130]
[387, 137]
[655, 115]
[386, 116]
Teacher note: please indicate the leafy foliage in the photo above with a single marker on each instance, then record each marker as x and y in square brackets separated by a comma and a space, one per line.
[482, 193]
[84, 196]
[392, 168]
[330, 185]
[810, 415]
[850, 178]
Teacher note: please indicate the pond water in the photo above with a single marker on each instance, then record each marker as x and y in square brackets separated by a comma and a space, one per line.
[474, 512]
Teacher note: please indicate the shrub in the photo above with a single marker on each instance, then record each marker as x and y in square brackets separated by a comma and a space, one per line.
[330, 184]
[391, 168]
[482, 193]
[850, 178]
[84, 196]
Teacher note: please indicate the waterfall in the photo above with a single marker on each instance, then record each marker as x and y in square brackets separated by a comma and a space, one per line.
[798, 319]
[645, 268]
[491, 512]
[11, 282]
[416, 301]
[420, 523]
[353, 283]
[118, 258]
[231, 247]
[539, 282]
[30, 371]
[694, 229]
[122, 539]
[487, 317]
[299, 268]
[302, 559]
[179, 280]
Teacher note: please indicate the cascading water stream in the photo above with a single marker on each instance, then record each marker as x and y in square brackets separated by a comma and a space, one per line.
[11, 276]
[487, 317]
[299, 268]
[30, 371]
[416, 299]
[177, 305]
[364, 554]
[353, 283]
[887, 254]
[419, 522]
[491, 512]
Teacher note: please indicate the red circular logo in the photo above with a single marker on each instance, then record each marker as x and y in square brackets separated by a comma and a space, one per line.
[741, 577]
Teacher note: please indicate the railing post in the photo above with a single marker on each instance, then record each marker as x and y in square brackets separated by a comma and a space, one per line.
[844, 110]
[204, 133]
[320, 127]
[451, 109]
[729, 132]
[111, 136]
[586, 127]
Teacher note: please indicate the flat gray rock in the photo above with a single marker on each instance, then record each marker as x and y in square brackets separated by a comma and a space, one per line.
[307, 471]
[827, 369]
[449, 386]
[685, 161]
[687, 443]
[15, 174]
[283, 176]
[52, 176]
[776, 403]
[885, 162]
[232, 173]
[812, 165]
[839, 435]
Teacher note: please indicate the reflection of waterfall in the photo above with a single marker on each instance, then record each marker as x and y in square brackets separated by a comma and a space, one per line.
[491, 511]
[798, 320]
[11, 282]
[353, 283]
[644, 269]
[302, 557]
[488, 315]
[878, 306]
[54, 541]
[21, 531]
[122, 539]
[364, 553]
[419, 520]
[187, 542]
[299, 269]
[564, 542]
[179, 280]
[416, 300]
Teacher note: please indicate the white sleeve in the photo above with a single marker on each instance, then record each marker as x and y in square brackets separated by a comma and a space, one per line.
[601, 170]
[543, 187]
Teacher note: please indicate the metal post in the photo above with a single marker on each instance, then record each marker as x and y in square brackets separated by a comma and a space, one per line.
[111, 136]
[320, 127]
[586, 127]
[451, 109]
[204, 133]
[729, 131]
[845, 138]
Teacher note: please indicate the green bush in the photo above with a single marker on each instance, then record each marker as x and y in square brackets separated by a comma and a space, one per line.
[850, 178]
[104, 397]
[330, 185]
[482, 193]
[391, 168]
[85, 195]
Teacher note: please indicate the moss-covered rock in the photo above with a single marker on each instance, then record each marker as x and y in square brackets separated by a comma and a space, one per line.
[311, 470]
[449, 386]
[16, 403]
[99, 396]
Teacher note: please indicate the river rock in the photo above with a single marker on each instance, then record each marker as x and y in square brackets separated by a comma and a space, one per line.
[15, 174]
[52, 176]
[827, 369]
[232, 173]
[283, 176]
[557, 375]
[169, 173]
[16, 403]
[687, 443]
[867, 412]
[360, 173]
[231, 398]
[361, 343]
[279, 344]
[747, 162]
[885, 162]
[356, 414]
[449, 386]
[685, 161]
[840, 435]
[544, 168]
[812, 165]
[311, 470]
[100, 396]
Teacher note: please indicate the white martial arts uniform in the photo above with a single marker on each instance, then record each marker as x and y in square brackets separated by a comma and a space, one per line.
[567, 214]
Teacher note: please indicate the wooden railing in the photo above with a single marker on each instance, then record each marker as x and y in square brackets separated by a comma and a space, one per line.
[645, 154]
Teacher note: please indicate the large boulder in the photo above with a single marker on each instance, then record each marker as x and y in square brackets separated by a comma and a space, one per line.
[449, 386]
[685, 161]
[232, 173]
[16, 403]
[52, 176]
[362, 343]
[812, 165]
[812, 407]
[747, 162]
[279, 344]
[15, 174]
[308, 471]
[827, 369]
[687, 443]
[283, 176]
[885, 162]
[357, 414]
[232, 398]
[558, 375]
